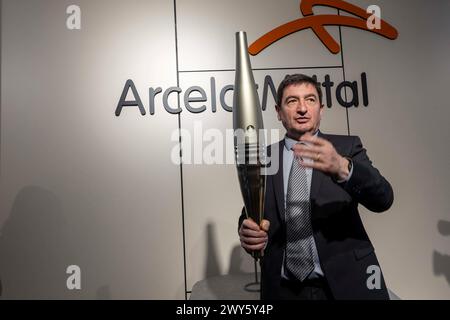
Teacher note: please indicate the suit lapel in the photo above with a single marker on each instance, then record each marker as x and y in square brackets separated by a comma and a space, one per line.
[316, 180]
[278, 181]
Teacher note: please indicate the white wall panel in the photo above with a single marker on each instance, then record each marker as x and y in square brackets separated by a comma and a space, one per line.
[78, 184]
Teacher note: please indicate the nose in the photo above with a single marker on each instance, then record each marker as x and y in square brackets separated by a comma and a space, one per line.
[301, 106]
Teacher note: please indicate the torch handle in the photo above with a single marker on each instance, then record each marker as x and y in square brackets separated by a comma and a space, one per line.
[257, 255]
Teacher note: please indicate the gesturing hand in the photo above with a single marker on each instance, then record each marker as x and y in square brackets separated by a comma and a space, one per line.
[324, 155]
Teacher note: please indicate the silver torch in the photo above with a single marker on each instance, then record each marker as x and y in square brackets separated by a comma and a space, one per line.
[249, 140]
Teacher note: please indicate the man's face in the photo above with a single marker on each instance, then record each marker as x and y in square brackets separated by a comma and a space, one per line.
[300, 110]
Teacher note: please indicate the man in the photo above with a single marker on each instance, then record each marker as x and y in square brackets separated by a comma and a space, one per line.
[313, 240]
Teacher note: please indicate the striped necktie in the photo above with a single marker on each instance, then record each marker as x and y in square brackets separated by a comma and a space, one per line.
[299, 247]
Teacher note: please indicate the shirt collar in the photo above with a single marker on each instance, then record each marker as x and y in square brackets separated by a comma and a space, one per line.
[289, 142]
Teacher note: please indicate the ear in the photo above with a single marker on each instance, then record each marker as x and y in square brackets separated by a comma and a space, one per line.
[321, 111]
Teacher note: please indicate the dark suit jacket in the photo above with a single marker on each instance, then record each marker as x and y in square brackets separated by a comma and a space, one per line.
[344, 248]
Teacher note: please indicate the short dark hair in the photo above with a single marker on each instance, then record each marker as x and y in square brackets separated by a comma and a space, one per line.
[297, 78]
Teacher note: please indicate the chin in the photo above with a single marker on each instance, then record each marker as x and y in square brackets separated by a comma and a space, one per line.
[302, 129]
[297, 132]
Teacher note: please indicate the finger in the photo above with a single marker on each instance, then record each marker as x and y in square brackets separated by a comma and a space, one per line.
[250, 224]
[252, 233]
[253, 241]
[313, 165]
[310, 148]
[265, 225]
[311, 155]
[314, 140]
[305, 154]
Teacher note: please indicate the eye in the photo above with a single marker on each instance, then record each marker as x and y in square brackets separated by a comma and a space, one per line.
[290, 101]
[311, 101]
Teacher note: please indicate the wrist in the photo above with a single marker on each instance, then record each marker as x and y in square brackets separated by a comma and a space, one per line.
[344, 169]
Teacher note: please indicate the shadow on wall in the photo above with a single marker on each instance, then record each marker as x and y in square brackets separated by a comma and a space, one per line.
[240, 261]
[212, 262]
[216, 286]
[441, 261]
[33, 247]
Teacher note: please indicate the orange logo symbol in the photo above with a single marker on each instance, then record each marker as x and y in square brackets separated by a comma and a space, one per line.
[317, 23]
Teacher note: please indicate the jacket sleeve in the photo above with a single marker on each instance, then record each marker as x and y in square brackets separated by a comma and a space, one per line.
[367, 185]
